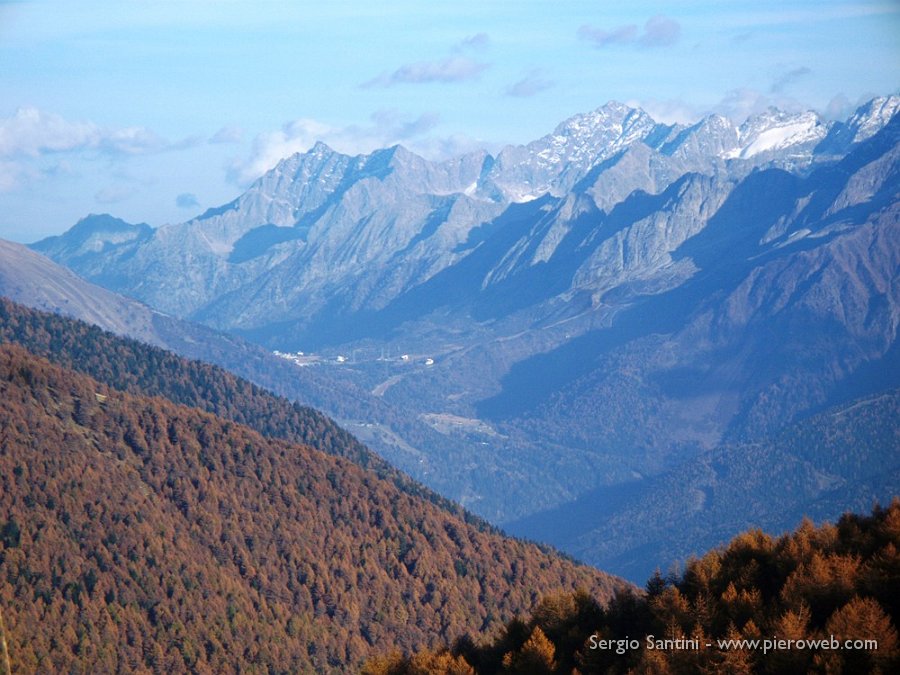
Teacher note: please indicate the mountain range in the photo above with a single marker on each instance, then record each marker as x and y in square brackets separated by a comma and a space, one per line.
[596, 309]
[325, 233]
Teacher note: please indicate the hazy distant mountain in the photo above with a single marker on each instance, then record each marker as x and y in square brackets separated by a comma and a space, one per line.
[94, 234]
[832, 462]
[586, 310]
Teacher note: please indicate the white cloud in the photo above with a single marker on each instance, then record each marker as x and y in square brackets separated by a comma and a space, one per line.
[133, 141]
[186, 200]
[455, 145]
[531, 84]
[603, 38]
[227, 135]
[659, 31]
[13, 175]
[31, 132]
[671, 111]
[839, 108]
[741, 103]
[788, 78]
[114, 194]
[477, 41]
[272, 146]
[454, 68]
[446, 70]
[31, 136]
[737, 104]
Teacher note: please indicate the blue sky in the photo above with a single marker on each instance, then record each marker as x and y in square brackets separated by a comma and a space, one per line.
[155, 111]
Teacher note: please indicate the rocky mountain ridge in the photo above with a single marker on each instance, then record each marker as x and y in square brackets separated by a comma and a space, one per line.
[371, 227]
[591, 309]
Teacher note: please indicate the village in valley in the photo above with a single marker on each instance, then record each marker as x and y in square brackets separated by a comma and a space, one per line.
[303, 359]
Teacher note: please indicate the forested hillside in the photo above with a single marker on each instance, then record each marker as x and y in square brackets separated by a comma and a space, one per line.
[138, 535]
[138, 368]
[838, 580]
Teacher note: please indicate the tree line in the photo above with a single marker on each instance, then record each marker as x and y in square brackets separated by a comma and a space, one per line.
[840, 580]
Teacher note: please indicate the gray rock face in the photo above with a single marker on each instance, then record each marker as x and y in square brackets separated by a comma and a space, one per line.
[556, 162]
[326, 233]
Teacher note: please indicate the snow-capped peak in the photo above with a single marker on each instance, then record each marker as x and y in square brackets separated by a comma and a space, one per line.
[602, 132]
[556, 161]
[776, 130]
[871, 117]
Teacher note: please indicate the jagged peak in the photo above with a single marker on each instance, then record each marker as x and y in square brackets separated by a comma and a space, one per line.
[773, 116]
[319, 152]
[612, 113]
[95, 230]
[879, 105]
[396, 153]
[775, 129]
[872, 116]
[383, 161]
[616, 109]
[320, 147]
[716, 120]
[480, 157]
[105, 221]
[590, 137]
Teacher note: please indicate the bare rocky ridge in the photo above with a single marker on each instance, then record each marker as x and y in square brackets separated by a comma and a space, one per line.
[368, 228]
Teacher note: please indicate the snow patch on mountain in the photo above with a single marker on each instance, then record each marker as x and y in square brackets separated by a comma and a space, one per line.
[554, 163]
[870, 118]
[775, 131]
